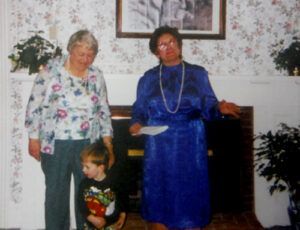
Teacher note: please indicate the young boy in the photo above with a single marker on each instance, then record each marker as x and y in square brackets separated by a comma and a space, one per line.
[100, 200]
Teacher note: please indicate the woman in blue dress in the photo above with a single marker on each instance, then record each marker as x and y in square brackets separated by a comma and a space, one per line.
[177, 94]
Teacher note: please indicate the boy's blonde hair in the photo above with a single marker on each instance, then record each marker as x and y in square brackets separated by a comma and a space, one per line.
[96, 153]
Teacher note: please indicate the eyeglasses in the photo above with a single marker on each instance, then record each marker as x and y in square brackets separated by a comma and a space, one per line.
[165, 45]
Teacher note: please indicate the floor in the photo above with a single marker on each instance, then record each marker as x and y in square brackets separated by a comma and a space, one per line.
[239, 221]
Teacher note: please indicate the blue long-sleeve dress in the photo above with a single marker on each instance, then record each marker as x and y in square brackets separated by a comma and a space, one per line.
[175, 188]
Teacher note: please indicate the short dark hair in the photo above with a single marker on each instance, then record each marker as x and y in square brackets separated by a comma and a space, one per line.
[159, 32]
[96, 153]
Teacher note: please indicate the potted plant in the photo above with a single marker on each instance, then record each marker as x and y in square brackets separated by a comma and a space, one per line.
[277, 158]
[287, 58]
[33, 53]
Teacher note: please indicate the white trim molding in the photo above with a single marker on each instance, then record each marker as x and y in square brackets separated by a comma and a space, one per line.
[4, 113]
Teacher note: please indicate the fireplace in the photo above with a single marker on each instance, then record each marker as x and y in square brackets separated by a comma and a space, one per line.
[230, 152]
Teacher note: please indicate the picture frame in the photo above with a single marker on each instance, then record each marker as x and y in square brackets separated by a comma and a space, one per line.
[195, 19]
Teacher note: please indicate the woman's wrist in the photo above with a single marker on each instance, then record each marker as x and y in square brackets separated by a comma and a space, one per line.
[107, 141]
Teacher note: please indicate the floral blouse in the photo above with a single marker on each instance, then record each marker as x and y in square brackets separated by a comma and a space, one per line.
[65, 107]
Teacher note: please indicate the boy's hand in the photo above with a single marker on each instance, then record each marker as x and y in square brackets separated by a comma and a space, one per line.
[98, 222]
[120, 222]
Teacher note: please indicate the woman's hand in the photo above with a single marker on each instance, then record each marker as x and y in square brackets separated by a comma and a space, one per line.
[135, 129]
[229, 108]
[34, 148]
[98, 222]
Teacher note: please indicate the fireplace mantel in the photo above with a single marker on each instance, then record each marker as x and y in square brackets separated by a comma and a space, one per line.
[274, 99]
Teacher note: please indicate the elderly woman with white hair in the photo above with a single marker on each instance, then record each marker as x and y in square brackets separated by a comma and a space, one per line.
[67, 110]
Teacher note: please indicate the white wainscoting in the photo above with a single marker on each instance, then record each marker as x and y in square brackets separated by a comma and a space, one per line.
[275, 99]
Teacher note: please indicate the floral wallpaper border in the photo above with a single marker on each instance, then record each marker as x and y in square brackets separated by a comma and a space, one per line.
[17, 137]
[252, 26]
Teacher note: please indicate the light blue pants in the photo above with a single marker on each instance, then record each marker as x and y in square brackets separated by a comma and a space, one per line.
[58, 169]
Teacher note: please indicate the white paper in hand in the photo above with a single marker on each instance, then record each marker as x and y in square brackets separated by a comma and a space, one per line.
[153, 130]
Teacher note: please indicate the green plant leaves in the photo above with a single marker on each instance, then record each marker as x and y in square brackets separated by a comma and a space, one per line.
[277, 158]
[286, 58]
[33, 53]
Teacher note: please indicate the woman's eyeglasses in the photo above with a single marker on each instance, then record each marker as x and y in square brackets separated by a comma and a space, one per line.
[165, 45]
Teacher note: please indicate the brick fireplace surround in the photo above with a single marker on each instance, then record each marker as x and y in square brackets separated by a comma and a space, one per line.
[244, 218]
[245, 155]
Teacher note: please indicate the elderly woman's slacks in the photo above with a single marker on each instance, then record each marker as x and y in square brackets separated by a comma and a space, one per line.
[58, 169]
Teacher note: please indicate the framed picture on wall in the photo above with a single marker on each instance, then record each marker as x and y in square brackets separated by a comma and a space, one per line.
[195, 19]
